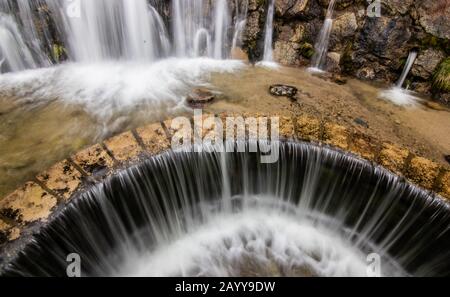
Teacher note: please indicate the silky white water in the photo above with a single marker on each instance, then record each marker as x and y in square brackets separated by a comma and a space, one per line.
[321, 46]
[267, 61]
[111, 30]
[106, 89]
[254, 242]
[316, 212]
[399, 95]
[120, 54]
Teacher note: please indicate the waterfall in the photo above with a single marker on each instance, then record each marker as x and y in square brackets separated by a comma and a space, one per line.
[397, 94]
[202, 44]
[117, 30]
[111, 30]
[222, 21]
[268, 39]
[409, 63]
[321, 47]
[20, 44]
[202, 30]
[14, 53]
[317, 212]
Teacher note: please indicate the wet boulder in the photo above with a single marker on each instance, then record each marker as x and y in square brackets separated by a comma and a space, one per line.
[280, 90]
[199, 97]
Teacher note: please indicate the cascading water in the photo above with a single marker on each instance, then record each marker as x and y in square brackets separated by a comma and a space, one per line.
[14, 53]
[316, 212]
[119, 52]
[398, 95]
[111, 30]
[267, 60]
[409, 63]
[321, 47]
[240, 23]
[268, 39]
[196, 34]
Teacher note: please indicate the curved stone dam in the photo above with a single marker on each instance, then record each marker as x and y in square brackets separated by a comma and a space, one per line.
[316, 212]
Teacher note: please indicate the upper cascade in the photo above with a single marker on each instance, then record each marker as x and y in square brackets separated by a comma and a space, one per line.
[111, 30]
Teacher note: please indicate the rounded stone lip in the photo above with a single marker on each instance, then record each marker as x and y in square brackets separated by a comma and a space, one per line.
[26, 210]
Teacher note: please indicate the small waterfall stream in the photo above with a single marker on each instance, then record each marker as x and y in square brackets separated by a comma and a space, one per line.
[399, 95]
[409, 63]
[321, 47]
[14, 53]
[268, 39]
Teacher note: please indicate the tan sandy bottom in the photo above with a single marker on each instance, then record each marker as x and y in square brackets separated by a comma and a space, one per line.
[423, 130]
[33, 137]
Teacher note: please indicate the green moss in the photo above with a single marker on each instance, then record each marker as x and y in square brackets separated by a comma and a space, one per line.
[441, 77]
[58, 52]
[306, 50]
[435, 42]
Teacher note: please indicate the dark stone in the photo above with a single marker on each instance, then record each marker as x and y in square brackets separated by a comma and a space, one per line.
[3, 237]
[11, 214]
[283, 91]
[447, 158]
[339, 79]
[361, 122]
[199, 97]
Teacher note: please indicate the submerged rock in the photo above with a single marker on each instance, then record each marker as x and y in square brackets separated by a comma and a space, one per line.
[339, 79]
[447, 158]
[199, 97]
[435, 106]
[361, 122]
[283, 91]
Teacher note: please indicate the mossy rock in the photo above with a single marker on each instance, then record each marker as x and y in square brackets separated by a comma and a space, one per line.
[441, 78]
[58, 52]
[430, 41]
[306, 50]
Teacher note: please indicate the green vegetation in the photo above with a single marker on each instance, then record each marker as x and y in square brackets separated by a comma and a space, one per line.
[435, 42]
[306, 50]
[441, 78]
[58, 52]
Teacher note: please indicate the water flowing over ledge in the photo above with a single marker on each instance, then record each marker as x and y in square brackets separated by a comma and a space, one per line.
[116, 30]
[139, 216]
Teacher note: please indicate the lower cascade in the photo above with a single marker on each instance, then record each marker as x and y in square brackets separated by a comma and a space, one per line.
[317, 212]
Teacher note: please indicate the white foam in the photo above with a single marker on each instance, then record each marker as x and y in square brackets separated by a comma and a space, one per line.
[219, 247]
[104, 89]
[268, 65]
[315, 70]
[400, 97]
